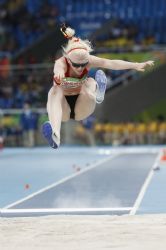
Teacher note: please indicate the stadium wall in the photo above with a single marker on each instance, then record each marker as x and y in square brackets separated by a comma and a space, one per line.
[127, 101]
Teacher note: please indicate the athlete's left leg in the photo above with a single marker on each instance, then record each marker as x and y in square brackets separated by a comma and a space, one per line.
[86, 101]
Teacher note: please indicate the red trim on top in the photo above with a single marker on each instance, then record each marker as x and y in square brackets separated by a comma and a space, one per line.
[68, 68]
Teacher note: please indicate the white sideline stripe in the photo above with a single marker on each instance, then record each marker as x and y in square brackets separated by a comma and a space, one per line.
[62, 210]
[62, 181]
[129, 150]
[145, 185]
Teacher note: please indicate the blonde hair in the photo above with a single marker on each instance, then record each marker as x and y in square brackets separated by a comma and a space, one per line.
[75, 43]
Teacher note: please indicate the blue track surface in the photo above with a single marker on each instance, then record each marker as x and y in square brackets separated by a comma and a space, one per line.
[83, 179]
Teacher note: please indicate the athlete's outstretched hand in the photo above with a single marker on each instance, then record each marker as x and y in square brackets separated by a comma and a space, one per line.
[142, 66]
[58, 78]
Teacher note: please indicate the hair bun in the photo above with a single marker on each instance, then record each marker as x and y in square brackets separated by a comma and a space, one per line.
[67, 31]
[70, 32]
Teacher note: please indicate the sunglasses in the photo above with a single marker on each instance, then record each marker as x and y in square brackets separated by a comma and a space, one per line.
[78, 65]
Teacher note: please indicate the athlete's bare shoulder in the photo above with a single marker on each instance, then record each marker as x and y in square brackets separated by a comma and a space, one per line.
[60, 63]
[61, 60]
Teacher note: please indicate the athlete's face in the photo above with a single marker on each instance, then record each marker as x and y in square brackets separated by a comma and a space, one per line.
[78, 61]
[78, 67]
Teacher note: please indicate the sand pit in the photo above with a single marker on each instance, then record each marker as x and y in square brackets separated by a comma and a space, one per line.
[145, 232]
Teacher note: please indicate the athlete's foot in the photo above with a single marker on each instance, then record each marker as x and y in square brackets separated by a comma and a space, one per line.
[48, 134]
[101, 80]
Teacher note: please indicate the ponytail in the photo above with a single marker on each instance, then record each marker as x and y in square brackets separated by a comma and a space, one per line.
[74, 43]
[67, 32]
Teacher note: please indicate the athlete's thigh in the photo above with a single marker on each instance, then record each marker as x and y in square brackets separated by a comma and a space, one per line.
[65, 110]
[89, 86]
[86, 102]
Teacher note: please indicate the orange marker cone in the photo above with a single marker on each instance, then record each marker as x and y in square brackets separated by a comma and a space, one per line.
[27, 186]
[163, 157]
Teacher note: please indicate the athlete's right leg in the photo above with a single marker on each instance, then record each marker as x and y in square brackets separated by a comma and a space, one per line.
[58, 111]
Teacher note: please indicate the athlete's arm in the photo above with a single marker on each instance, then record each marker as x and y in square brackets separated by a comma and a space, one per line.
[98, 62]
[59, 70]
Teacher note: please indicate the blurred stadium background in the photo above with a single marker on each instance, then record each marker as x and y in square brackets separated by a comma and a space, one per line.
[133, 112]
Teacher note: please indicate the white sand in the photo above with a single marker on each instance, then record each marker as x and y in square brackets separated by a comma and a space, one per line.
[145, 232]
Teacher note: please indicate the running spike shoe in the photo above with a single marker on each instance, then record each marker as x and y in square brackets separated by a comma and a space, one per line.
[101, 80]
[52, 140]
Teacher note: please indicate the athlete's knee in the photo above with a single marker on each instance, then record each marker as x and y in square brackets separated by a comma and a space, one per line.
[54, 91]
[80, 117]
[91, 85]
[83, 114]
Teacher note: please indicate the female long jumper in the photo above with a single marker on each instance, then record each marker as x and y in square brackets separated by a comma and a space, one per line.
[73, 94]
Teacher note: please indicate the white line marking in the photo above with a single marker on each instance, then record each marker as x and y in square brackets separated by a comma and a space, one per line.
[129, 150]
[145, 185]
[31, 212]
[62, 181]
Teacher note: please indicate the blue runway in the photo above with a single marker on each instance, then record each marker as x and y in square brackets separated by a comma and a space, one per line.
[81, 180]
